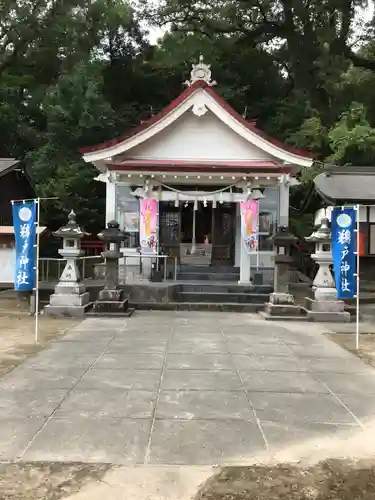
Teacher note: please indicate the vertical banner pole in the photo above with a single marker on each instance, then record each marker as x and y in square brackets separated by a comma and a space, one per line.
[357, 284]
[37, 223]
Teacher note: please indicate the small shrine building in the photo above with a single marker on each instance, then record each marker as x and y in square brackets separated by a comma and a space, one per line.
[199, 159]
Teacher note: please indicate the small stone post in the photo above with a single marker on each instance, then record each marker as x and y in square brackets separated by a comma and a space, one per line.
[281, 304]
[111, 301]
[70, 297]
[324, 305]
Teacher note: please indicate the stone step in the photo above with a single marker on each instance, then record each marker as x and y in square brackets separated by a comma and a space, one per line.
[184, 268]
[219, 297]
[183, 276]
[197, 306]
[225, 288]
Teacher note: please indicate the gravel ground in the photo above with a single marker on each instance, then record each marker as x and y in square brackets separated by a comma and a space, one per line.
[328, 480]
[17, 338]
[49, 481]
[366, 349]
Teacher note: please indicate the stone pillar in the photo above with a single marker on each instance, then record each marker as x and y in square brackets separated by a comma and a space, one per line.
[245, 265]
[70, 297]
[110, 205]
[324, 306]
[284, 204]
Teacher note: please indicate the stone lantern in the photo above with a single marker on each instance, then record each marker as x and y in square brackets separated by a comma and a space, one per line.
[70, 297]
[283, 241]
[323, 285]
[281, 304]
[324, 306]
[112, 237]
[111, 299]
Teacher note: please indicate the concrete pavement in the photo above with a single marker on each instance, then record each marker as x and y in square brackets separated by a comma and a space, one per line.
[181, 389]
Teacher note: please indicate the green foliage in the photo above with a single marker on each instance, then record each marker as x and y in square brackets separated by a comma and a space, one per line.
[352, 139]
[77, 72]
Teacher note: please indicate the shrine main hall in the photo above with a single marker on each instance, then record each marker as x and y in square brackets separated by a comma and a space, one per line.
[199, 158]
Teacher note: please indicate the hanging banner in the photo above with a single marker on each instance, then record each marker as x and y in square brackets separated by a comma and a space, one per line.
[148, 227]
[24, 222]
[249, 223]
[343, 223]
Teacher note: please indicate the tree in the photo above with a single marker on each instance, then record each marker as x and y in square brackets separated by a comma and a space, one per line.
[311, 40]
[75, 113]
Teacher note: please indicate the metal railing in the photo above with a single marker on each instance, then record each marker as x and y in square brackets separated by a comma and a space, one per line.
[92, 267]
[166, 264]
[50, 269]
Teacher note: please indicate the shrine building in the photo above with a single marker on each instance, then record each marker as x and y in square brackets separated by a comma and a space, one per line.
[200, 159]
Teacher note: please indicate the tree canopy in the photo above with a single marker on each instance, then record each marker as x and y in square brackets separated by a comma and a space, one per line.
[74, 73]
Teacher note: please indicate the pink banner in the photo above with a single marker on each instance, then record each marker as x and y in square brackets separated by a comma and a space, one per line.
[148, 230]
[249, 224]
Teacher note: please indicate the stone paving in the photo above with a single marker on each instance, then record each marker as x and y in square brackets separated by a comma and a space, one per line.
[179, 388]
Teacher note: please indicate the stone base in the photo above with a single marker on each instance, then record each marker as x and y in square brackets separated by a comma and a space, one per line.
[111, 295]
[321, 294]
[69, 299]
[281, 307]
[324, 306]
[329, 311]
[67, 311]
[278, 298]
[282, 310]
[111, 303]
[126, 314]
[110, 306]
[69, 288]
[328, 317]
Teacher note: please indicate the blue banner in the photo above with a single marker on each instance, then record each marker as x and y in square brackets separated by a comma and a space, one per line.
[24, 219]
[343, 224]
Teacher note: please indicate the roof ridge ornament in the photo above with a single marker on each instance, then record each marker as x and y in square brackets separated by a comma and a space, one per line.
[201, 71]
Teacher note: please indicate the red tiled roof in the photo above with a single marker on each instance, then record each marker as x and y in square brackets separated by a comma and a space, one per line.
[250, 125]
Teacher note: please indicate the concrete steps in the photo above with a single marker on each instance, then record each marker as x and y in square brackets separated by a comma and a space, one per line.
[225, 288]
[206, 273]
[222, 297]
[184, 276]
[198, 306]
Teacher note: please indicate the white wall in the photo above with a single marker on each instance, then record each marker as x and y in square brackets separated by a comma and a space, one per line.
[7, 265]
[197, 138]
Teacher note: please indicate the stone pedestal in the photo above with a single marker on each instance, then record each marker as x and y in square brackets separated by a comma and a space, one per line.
[330, 311]
[66, 302]
[111, 303]
[281, 307]
[70, 297]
